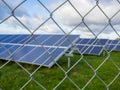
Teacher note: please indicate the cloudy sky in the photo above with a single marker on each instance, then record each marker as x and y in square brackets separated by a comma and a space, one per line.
[31, 17]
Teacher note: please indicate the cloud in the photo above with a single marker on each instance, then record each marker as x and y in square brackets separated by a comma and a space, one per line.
[68, 16]
[65, 16]
[30, 23]
[26, 15]
[111, 35]
[6, 12]
[96, 20]
[49, 27]
[12, 26]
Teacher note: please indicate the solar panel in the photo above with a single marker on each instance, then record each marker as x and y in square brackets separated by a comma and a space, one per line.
[91, 41]
[96, 45]
[101, 41]
[54, 46]
[7, 51]
[2, 49]
[117, 48]
[55, 40]
[110, 42]
[97, 50]
[81, 48]
[33, 54]
[93, 50]
[7, 38]
[39, 55]
[45, 39]
[40, 39]
[2, 36]
[85, 41]
[88, 49]
[113, 47]
[115, 41]
[19, 39]
[91, 45]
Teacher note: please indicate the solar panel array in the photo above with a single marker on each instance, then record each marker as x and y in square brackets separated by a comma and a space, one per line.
[94, 50]
[42, 50]
[46, 39]
[46, 49]
[96, 46]
[113, 45]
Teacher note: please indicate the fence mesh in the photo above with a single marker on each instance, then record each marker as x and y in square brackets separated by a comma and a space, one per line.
[88, 18]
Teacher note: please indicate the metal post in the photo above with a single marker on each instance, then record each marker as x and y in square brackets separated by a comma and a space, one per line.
[69, 61]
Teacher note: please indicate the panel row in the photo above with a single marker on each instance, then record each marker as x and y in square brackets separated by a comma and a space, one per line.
[96, 46]
[93, 50]
[42, 49]
[113, 47]
[113, 42]
[32, 55]
[47, 39]
[91, 41]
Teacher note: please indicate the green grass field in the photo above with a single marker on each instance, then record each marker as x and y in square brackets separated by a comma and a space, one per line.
[13, 77]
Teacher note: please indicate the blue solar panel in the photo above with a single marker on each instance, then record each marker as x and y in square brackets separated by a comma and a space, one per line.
[68, 40]
[110, 47]
[1, 49]
[110, 42]
[91, 45]
[101, 41]
[40, 39]
[52, 40]
[117, 48]
[7, 39]
[83, 41]
[115, 41]
[18, 39]
[51, 58]
[91, 41]
[8, 50]
[12, 39]
[79, 40]
[31, 53]
[2, 36]
[81, 48]
[45, 39]
[113, 47]
[93, 50]
[97, 50]
[55, 40]
[87, 49]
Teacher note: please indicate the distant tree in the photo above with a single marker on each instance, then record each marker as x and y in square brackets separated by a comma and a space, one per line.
[117, 39]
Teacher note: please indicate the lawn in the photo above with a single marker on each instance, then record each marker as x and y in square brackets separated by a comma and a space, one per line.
[13, 77]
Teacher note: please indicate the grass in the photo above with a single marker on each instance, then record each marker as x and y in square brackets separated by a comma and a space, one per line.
[13, 77]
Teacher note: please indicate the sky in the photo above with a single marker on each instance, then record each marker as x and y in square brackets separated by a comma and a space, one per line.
[30, 14]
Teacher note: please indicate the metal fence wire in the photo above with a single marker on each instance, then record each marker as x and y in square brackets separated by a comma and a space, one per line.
[88, 18]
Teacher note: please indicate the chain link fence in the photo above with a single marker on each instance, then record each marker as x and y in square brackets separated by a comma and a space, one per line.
[88, 18]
